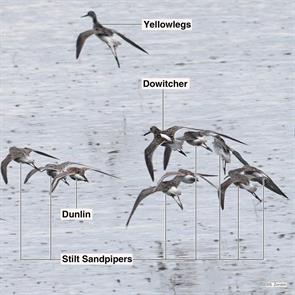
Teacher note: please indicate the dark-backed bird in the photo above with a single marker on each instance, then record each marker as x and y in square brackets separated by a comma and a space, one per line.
[239, 180]
[20, 155]
[224, 151]
[169, 187]
[106, 35]
[52, 170]
[75, 173]
[257, 175]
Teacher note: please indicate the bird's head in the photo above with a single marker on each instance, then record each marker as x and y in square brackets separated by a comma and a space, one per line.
[91, 14]
[153, 130]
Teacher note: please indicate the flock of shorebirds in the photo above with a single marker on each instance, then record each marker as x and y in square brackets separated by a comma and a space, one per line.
[245, 177]
[57, 172]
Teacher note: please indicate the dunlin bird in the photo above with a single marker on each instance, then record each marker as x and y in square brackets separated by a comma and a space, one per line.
[105, 34]
[239, 180]
[75, 173]
[20, 155]
[257, 175]
[52, 170]
[169, 187]
[225, 151]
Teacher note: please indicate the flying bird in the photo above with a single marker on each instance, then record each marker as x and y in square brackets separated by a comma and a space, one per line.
[75, 173]
[169, 187]
[257, 175]
[52, 170]
[225, 151]
[239, 180]
[107, 35]
[20, 155]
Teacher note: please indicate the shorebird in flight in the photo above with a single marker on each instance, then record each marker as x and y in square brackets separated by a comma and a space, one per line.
[20, 155]
[257, 175]
[225, 151]
[239, 180]
[105, 34]
[75, 173]
[169, 187]
[52, 170]
[164, 138]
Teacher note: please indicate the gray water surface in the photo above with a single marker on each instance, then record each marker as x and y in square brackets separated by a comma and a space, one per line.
[240, 59]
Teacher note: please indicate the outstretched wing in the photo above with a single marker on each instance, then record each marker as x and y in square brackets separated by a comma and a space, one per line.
[210, 132]
[4, 165]
[58, 178]
[148, 155]
[167, 154]
[130, 42]
[143, 194]
[81, 40]
[96, 170]
[31, 173]
[221, 191]
[44, 154]
[239, 157]
[168, 174]
[269, 183]
[208, 175]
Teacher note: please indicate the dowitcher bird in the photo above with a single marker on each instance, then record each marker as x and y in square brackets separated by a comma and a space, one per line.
[105, 34]
[20, 155]
[257, 175]
[225, 151]
[169, 187]
[239, 180]
[163, 138]
[75, 173]
[52, 170]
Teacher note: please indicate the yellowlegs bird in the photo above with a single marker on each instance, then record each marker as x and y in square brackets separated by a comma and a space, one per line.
[105, 34]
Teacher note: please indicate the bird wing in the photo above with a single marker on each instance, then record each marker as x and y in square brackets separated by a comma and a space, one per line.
[167, 174]
[58, 178]
[148, 155]
[31, 173]
[96, 170]
[203, 177]
[129, 41]
[221, 191]
[212, 133]
[4, 165]
[143, 194]
[44, 154]
[239, 157]
[167, 154]
[81, 40]
[269, 183]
